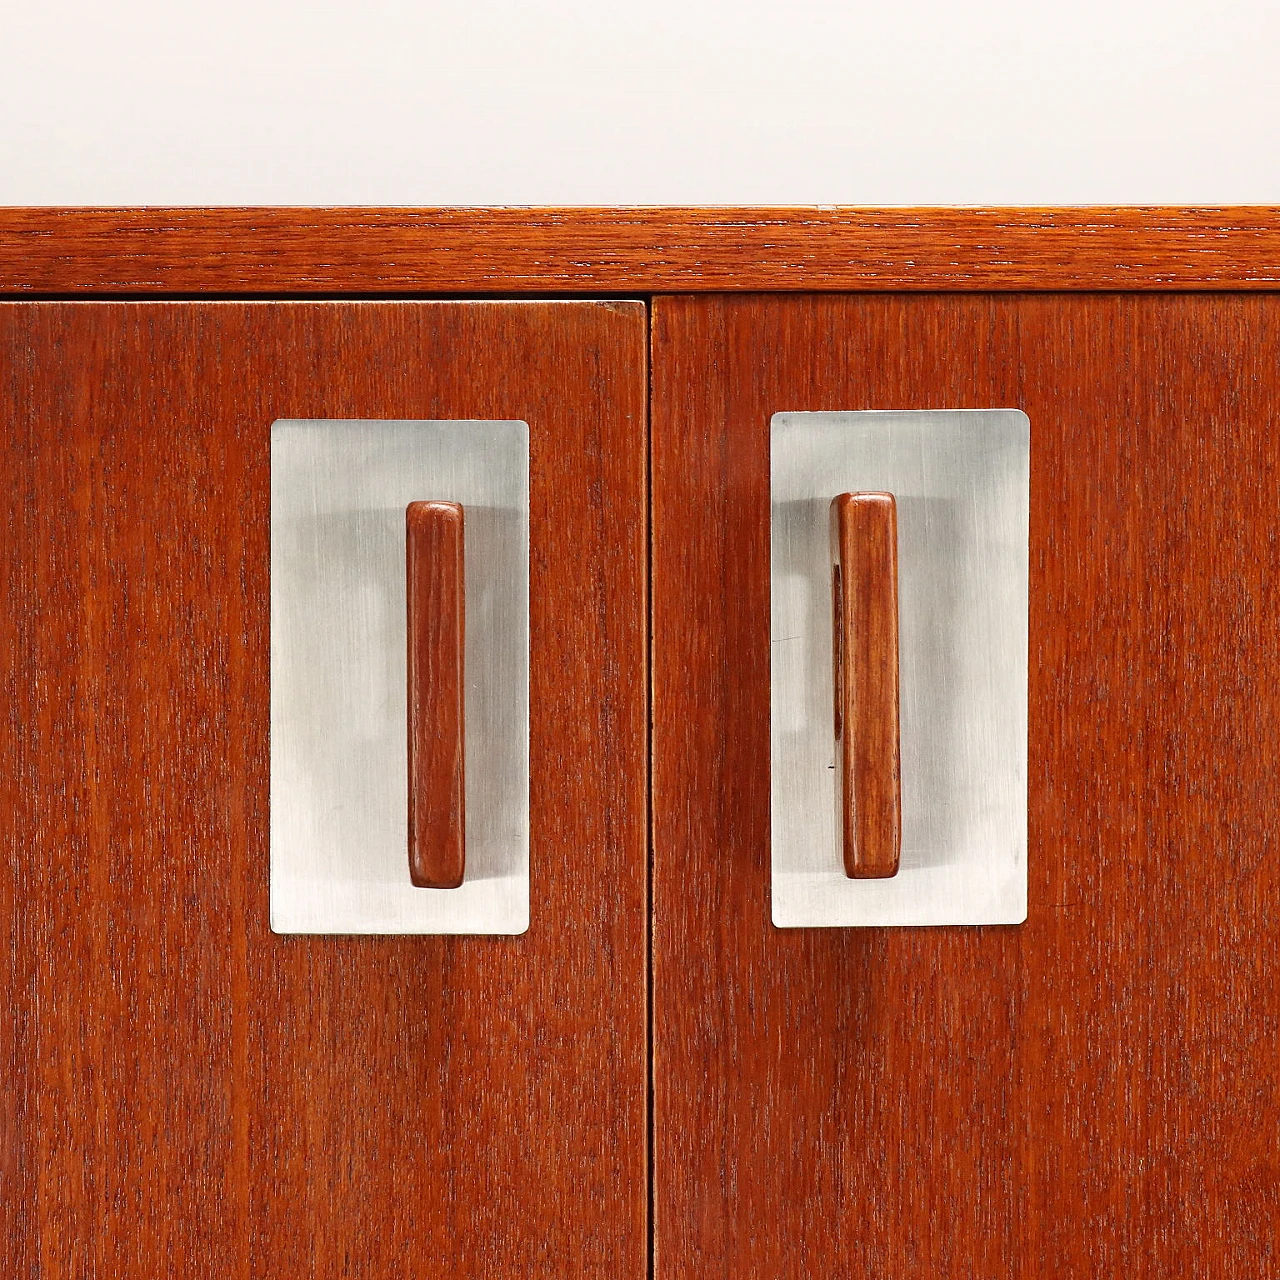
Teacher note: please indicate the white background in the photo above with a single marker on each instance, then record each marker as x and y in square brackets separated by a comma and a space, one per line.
[652, 101]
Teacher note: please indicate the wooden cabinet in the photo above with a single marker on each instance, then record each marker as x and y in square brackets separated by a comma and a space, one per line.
[653, 1080]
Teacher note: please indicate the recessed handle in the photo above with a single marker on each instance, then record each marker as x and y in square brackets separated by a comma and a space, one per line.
[864, 589]
[436, 598]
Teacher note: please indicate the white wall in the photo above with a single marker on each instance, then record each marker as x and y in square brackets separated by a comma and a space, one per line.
[651, 101]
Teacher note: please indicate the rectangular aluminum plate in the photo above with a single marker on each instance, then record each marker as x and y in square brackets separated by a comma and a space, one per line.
[339, 754]
[961, 478]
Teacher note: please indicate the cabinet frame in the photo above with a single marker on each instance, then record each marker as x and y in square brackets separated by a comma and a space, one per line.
[637, 252]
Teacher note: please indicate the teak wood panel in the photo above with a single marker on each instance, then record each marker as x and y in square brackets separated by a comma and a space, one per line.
[633, 249]
[1093, 1093]
[184, 1090]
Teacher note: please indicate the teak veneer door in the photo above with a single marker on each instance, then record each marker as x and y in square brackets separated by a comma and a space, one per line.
[1093, 1093]
[188, 1094]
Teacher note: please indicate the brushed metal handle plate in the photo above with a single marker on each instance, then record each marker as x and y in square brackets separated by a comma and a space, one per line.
[339, 738]
[961, 482]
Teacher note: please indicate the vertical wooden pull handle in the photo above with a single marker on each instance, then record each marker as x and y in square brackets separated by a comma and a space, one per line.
[864, 589]
[436, 630]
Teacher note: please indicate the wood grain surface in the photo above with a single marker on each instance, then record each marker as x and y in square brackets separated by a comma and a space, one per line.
[633, 250]
[864, 653]
[435, 597]
[187, 1094]
[1091, 1094]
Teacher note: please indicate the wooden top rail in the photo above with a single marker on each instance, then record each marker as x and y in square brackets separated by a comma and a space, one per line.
[632, 250]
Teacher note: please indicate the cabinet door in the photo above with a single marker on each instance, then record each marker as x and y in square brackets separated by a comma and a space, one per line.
[1092, 1093]
[187, 1093]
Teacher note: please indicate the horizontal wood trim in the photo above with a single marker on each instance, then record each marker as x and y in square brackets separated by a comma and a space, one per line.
[633, 250]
